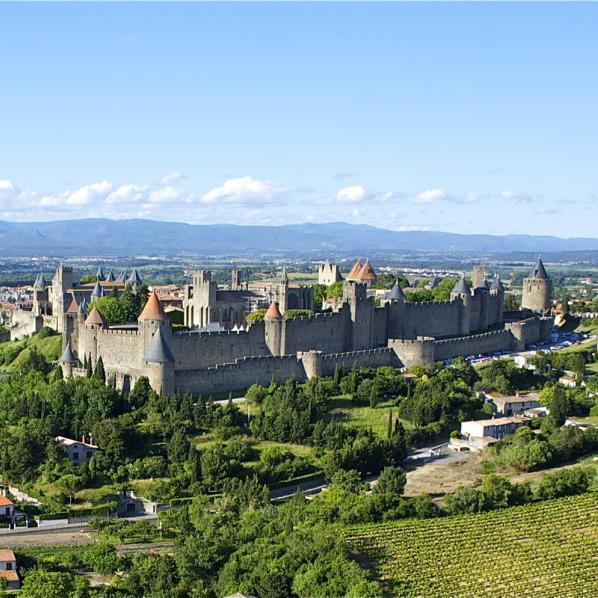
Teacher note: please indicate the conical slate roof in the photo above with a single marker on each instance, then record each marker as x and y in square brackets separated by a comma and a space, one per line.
[273, 311]
[100, 274]
[497, 284]
[482, 284]
[134, 278]
[97, 291]
[83, 307]
[434, 282]
[122, 276]
[67, 355]
[153, 309]
[95, 318]
[110, 277]
[73, 307]
[355, 270]
[396, 293]
[366, 273]
[158, 351]
[539, 271]
[461, 287]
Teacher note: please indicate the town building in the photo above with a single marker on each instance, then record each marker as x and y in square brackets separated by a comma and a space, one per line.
[8, 569]
[80, 452]
[7, 510]
[508, 406]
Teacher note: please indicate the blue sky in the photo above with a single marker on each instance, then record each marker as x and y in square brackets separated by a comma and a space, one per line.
[459, 117]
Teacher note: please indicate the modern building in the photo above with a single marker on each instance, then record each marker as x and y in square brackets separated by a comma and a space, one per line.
[496, 428]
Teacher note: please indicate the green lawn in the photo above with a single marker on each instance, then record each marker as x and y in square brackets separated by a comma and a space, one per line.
[360, 417]
[50, 347]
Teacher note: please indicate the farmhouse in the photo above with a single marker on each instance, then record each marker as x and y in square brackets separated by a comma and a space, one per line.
[515, 405]
[496, 428]
[79, 451]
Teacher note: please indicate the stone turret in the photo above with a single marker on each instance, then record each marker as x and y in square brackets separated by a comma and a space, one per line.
[134, 279]
[274, 330]
[160, 362]
[67, 361]
[362, 314]
[396, 293]
[235, 279]
[97, 291]
[461, 291]
[498, 290]
[537, 290]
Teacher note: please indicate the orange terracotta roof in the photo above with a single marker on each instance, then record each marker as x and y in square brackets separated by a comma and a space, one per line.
[367, 272]
[73, 307]
[5, 502]
[95, 318]
[273, 311]
[10, 575]
[153, 309]
[6, 554]
[355, 270]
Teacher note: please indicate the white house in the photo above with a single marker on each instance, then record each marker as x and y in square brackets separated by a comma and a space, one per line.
[8, 569]
[7, 510]
[515, 405]
[80, 452]
[496, 428]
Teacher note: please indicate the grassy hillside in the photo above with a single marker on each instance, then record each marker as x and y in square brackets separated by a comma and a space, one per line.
[14, 353]
[544, 549]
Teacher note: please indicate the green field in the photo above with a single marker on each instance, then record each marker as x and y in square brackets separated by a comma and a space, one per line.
[546, 549]
[344, 409]
[50, 347]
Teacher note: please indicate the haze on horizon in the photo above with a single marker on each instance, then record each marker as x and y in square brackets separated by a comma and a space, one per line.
[468, 118]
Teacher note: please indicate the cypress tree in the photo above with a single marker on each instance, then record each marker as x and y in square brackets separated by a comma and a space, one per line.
[389, 431]
[88, 368]
[99, 373]
[338, 374]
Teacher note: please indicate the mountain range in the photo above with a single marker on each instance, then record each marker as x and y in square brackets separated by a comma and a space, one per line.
[90, 237]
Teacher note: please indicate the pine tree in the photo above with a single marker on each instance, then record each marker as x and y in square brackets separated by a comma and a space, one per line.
[99, 373]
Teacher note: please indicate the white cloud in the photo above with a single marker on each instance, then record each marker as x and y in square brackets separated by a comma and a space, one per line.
[166, 195]
[243, 189]
[127, 194]
[172, 177]
[431, 195]
[89, 194]
[6, 185]
[352, 194]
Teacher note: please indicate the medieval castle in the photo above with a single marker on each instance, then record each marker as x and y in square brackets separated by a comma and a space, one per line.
[218, 352]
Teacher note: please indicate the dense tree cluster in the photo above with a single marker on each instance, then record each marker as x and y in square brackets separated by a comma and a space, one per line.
[124, 307]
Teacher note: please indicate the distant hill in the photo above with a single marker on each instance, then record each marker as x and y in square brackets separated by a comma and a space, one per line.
[149, 237]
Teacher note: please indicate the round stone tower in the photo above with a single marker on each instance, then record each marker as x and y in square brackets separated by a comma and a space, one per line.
[274, 330]
[537, 290]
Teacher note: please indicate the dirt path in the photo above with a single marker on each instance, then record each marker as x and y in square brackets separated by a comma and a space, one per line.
[444, 474]
[47, 538]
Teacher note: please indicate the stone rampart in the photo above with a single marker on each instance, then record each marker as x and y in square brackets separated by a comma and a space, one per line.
[24, 323]
[487, 342]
